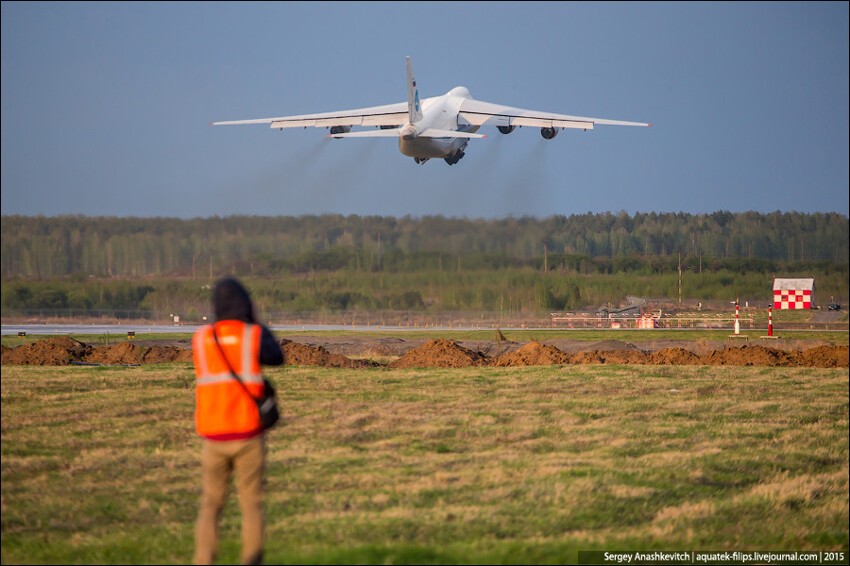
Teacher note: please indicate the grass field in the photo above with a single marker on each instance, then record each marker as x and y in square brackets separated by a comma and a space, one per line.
[479, 465]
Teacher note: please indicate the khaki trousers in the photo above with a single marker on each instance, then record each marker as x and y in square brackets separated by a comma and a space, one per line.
[244, 459]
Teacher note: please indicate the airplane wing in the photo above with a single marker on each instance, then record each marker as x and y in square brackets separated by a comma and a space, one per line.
[387, 115]
[480, 113]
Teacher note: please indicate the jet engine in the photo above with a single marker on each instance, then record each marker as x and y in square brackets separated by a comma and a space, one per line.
[506, 129]
[548, 133]
[340, 130]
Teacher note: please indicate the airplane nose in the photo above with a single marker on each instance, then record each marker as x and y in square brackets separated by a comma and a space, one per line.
[408, 132]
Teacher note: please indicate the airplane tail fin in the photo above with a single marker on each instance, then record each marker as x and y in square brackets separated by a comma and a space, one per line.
[414, 109]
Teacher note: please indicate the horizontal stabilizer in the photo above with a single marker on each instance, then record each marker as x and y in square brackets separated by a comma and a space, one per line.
[435, 133]
[393, 133]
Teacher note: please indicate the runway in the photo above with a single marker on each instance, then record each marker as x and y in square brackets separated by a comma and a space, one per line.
[139, 329]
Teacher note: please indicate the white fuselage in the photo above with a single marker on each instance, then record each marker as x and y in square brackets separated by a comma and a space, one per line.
[441, 113]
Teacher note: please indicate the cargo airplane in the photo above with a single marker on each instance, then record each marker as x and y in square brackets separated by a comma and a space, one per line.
[436, 127]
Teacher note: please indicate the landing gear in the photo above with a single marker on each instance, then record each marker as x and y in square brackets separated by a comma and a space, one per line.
[420, 160]
[455, 158]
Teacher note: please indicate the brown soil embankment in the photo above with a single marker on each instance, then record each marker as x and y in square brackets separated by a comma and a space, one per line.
[57, 351]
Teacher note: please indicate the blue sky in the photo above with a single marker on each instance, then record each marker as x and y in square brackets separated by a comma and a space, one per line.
[106, 107]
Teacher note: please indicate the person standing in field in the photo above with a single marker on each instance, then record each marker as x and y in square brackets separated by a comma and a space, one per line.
[227, 418]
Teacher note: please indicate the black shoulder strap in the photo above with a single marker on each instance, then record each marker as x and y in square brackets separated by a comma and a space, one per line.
[226, 361]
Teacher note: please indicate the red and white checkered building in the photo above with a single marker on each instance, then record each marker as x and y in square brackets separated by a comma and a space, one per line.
[793, 293]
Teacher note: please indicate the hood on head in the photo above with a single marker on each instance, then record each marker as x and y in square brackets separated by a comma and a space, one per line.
[231, 301]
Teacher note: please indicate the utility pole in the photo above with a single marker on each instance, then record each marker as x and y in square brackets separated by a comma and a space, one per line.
[680, 278]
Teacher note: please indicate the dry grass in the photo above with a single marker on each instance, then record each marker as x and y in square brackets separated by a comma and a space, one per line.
[480, 465]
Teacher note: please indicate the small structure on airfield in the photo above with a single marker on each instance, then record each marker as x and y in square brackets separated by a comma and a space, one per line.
[793, 293]
[633, 308]
[647, 322]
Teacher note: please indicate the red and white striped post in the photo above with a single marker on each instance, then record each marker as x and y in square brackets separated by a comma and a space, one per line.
[770, 320]
[737, 324]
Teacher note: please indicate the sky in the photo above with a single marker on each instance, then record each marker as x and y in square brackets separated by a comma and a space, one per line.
[106, 107]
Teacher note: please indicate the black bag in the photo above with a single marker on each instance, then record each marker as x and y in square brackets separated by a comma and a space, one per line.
[267, 403]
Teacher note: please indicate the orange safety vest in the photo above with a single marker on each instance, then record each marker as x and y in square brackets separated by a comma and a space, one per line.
[223, 410]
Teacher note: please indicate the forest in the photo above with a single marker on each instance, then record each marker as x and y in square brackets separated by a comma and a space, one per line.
[335, 263]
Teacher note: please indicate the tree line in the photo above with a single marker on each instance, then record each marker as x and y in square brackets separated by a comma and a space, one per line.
[336, 264]
[44, 248]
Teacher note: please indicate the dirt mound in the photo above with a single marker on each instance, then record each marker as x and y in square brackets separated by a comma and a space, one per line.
[123, 353]
[63, 350]
[749, 356]
[532, 354]
[673, 357]
[295, 354]
[704, 347]
[625, 356]
[56, 351]
[166, 354]
[440, 353]
[590, 357]
[825, 357]
[127, 353]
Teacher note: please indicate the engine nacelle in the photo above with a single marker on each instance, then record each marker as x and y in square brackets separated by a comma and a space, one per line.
[506, 129]
[340, 130]
[548, 133]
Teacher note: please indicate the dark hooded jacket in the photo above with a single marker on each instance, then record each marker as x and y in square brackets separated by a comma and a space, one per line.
[232, 302]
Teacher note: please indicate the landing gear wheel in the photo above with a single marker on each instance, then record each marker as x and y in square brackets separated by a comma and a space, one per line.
[455, 158]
